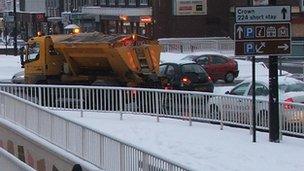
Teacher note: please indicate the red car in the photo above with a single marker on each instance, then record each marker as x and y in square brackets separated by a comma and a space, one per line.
[218, 67]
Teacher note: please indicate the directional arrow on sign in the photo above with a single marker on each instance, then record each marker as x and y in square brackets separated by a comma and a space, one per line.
[284, 47]
[239, 32]
[258, 49]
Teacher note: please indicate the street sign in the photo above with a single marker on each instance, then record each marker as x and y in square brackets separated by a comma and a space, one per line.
[262, 14]
[280, 47]
[262, 38]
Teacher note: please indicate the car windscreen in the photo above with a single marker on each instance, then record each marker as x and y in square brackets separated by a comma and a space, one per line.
[294, 87]
[191, 68]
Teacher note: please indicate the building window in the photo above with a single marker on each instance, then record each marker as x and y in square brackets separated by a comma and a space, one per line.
[95, 3]
[143, 2]
[121, 2]
[132, 2]
[21, 155]
[111, 2]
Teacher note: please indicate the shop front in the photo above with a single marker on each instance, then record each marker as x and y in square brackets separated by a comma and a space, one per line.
[122, 20]
[28, 24]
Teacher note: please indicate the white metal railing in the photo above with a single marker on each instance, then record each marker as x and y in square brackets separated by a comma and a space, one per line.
[10, 162]
[91, 145]
[193, 106]
[184, 45]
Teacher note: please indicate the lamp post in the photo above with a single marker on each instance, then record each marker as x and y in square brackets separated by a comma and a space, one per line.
[15, 30]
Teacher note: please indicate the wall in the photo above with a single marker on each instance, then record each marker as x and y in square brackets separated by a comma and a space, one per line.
[35, 6]
[215, 23]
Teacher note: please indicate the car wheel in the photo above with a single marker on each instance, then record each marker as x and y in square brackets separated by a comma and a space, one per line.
[215, 112]
[262, 118]
[229, 77]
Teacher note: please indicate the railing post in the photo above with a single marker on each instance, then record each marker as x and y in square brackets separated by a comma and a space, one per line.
[39, 96]
[120, 104]
[81, 102]
[145, 162]
[222, 115]
[218, 46]
[83, 141]
[190, 109]
[250, 120]
[122, 157]
[38, 122]
[280, 121]
[67, 135]
[181, 48]
[157, 105]
[2, 105]
[52, 127]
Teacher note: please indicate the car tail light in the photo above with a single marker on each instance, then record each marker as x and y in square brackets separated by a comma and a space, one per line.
[209, 79]
[186, 81]
[287, 104]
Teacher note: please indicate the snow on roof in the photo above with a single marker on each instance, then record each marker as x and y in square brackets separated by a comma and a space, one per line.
[71, 26]
[93, 37]
[182, 62]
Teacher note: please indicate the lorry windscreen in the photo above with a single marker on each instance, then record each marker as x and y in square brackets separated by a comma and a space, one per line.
[32, 52]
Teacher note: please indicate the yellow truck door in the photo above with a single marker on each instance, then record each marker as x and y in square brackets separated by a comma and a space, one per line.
[34, 60]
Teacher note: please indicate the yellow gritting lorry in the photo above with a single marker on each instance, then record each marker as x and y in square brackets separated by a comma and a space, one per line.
[92, 58]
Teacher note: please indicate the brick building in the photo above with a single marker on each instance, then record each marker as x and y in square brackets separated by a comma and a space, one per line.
[213, 21]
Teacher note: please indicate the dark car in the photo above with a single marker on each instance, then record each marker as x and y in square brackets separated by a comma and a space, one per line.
[219, 67]
[187, 76]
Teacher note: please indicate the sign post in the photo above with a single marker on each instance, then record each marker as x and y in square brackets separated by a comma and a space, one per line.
[274, 120]
[264, 30]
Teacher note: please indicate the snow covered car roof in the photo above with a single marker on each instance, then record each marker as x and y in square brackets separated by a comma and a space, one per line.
[283, 80]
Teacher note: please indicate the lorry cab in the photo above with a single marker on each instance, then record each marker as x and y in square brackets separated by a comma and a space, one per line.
[33, 61]
[41, 60]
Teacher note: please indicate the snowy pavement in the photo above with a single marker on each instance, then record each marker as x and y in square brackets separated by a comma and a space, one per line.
[9, 66]
[202, 146]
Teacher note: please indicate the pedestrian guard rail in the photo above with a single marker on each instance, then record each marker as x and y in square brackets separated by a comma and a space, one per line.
[187, 45]
[187, 105]
[98, 148]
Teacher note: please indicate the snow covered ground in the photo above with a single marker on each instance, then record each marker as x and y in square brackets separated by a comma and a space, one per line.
[201, 146]
[9, 65]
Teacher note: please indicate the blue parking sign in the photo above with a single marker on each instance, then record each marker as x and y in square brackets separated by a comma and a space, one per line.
[249, 48]
[248, 32]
